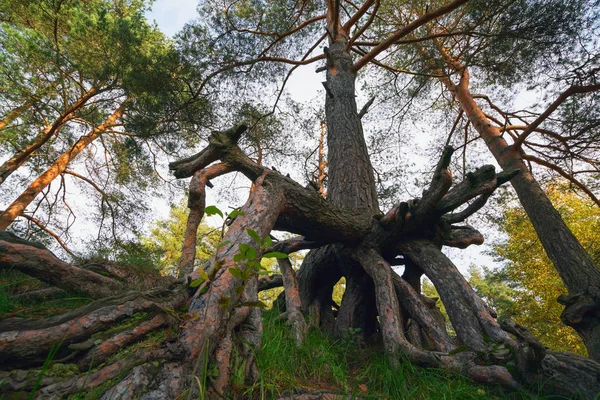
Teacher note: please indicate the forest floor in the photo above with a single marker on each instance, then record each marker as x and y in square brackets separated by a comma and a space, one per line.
[322, 368]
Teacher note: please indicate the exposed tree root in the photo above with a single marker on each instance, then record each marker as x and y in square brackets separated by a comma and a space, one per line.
[222, 327]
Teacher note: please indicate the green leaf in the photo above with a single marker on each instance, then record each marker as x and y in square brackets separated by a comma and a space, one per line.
[235, 213]
[251, 254]
[253, 235]
[223, 243]
[211, 210]
[236, 272]
[254, 264]
[238, 257]
[196, 282]
[275, 254]
[203, 274]
[244, 249]
[268, 242]
[203, 290]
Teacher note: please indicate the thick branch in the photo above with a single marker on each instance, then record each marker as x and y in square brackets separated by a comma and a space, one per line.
[381, 47]
[482, 181]
[471, 209]
[43, 265]
[441, 182]
[561, 99]
[269, 282]
[218, 142]
[25, 339]
[196, 204]
[462, 237]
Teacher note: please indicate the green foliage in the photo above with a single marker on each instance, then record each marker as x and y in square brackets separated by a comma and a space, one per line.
[536, 283]
[492, 288]
[102, 52]
[338, 291]
[167, 236]
[429, 290]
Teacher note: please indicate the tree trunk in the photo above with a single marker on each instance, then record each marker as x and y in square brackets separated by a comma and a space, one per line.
[578, 271]
[358, 309]
[351, 181]
[13, 163]
[351, 185]
[59, 166]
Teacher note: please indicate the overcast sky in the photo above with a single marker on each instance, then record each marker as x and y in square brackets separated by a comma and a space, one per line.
[171, 15]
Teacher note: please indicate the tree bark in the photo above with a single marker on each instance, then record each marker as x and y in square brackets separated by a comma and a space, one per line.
[59, 166]
[351, 180]
[196, 204]
[469, 315]
[13, 163]
[577, 270]
[43, 265]
[293, 306]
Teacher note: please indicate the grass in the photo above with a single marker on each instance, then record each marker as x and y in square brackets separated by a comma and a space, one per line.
[12, 304]
[323, 364]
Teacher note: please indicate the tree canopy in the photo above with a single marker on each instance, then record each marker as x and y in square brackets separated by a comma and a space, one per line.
[81, 83]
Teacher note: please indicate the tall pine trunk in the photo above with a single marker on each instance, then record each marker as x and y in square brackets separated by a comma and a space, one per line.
[18, 159]
[59, 166]
[351, 185]
[577, 270]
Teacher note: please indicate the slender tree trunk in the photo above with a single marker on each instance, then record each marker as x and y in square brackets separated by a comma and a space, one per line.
[13, 163]
[59, 166]
[578, 271]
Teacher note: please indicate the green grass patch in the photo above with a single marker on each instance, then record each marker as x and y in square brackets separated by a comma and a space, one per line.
[13, 303]
[324, 364]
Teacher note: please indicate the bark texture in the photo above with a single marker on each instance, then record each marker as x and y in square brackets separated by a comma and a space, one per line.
[577, 270]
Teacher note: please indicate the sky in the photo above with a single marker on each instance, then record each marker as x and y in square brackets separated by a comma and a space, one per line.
[172, 15]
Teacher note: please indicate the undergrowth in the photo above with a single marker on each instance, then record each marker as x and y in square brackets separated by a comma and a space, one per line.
[347, 367]
[15, 303]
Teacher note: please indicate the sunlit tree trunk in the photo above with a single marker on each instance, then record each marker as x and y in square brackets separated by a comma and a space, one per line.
[59, 166]
[578, 271]
[13, 163]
